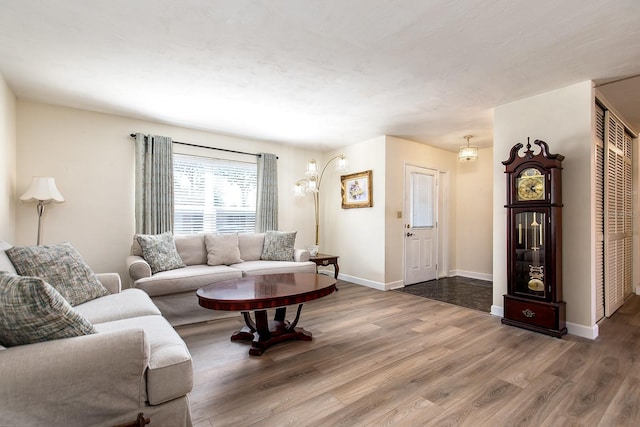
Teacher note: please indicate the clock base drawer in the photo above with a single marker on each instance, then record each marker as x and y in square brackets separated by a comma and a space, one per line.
[545, 317]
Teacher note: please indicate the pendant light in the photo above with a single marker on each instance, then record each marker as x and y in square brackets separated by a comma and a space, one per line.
[468, 153]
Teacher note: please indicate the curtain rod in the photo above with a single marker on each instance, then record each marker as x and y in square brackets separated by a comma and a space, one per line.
[133, 135]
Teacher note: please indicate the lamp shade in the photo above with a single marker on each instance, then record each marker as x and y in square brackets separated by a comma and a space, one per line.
[468, 153]
[312, 167]
[42, 189]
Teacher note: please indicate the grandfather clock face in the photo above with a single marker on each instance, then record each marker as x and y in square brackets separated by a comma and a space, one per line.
[530, 265]
[530, 185]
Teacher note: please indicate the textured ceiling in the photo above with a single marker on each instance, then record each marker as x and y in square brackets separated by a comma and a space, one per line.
[325, 73]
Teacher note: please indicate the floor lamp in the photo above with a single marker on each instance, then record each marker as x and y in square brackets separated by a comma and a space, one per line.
[312, 185]
[42, 190]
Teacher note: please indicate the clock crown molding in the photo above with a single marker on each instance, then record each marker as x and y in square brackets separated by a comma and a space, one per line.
[529, 153]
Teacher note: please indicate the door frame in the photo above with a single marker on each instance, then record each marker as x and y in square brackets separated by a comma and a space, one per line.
[442, 220]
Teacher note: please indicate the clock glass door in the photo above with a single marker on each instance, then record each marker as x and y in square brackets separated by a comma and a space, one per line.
[530, 265]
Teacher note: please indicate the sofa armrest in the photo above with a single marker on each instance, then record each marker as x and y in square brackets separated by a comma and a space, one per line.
[301, 255]
[111, 281]
[74, 381]
[137, 267]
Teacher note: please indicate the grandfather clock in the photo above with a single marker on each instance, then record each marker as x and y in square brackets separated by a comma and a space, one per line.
[534, 240]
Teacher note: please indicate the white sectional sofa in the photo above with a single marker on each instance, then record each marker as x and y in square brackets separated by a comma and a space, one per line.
[174, 291]
[135, 363]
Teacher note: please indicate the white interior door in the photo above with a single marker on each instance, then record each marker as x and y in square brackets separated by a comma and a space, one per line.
[421, 228]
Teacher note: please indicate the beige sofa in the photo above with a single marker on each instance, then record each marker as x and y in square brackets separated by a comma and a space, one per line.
[174, 291]
[135, 363]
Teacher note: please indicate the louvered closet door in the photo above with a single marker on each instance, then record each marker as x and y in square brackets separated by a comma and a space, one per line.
[617, 224]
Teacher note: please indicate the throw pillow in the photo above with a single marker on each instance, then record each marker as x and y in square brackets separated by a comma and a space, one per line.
[191, 248]
[5, 262]
[33, 311]
[222, 249]
[62, 267]
[159, 250]
[251, 245]
[278, 245]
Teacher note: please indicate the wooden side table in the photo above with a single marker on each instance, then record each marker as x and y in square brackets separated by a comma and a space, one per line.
[324, 259]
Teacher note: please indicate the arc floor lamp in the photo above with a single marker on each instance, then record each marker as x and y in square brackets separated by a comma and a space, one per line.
[313, 182]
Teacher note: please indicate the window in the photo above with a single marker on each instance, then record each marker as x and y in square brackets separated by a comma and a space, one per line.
[422, 200]
[213, 195]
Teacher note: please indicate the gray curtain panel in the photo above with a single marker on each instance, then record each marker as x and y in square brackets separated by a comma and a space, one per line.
[267, 193]
[154, 184]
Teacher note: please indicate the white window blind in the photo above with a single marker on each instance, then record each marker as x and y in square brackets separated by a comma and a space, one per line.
[213, 195]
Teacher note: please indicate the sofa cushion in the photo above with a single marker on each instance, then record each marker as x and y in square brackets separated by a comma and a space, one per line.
[256, 268]
[159, 250]
[250, 245]
[62, 267]
[33, 311]
[191, 248]
[222, 249]
[126, 304]
[170, 373]
[278, 246]
[190, 278]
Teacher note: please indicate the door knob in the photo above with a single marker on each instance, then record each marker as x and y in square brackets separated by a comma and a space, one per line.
[409, 234]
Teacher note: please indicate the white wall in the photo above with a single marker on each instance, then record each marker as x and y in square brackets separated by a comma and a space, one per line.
[474, 217]
[92, 158]
[563, 118]
[356, 235]
[7, 162]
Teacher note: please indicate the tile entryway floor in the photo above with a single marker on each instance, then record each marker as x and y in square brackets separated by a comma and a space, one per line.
[461, 291]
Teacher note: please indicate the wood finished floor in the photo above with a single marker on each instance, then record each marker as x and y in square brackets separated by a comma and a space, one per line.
[389, 358]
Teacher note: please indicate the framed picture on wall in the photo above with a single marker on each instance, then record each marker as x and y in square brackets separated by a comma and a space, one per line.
[357, 190]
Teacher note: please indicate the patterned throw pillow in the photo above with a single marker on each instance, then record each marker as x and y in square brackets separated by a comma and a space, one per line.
[62, 267]
[33, 311]
[222, 249]
[159, 250]
[278, 245]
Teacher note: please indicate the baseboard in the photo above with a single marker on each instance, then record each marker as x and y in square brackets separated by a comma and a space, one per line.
[364, 282]
[472, 275]
[497, 310]
[394, 285]
[589, 332]
[400, 283]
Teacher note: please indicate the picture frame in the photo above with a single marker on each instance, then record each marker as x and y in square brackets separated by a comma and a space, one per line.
[357, 190]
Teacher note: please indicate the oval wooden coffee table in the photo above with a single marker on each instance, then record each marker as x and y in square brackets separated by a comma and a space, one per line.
[258, 293]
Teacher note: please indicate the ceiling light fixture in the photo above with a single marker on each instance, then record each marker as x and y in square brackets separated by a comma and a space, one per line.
[468, 153]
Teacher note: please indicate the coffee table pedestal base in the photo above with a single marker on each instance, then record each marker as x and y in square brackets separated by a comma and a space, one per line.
[264, 333]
